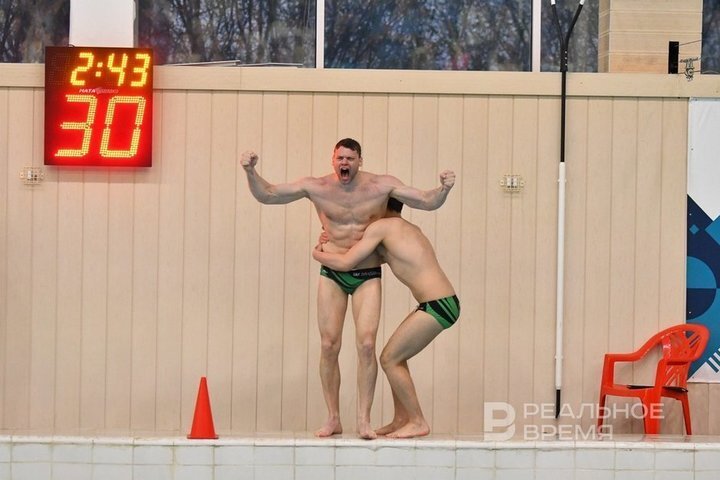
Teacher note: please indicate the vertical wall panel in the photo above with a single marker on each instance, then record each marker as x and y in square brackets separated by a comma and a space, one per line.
[523, 212]
[171, 239]
[548, 158]
[471, 191]
[196, 247]
[597, 273]
[576, 131]
[224, 169]
[4, 201]
[647, 242]
[447, 243]
[247, 272]
[121, 205]
[145, 256]
[95, 299]
[272, 263]
[18, 349]
[670, 154]
[70, 258]
[713, 419]
[673, 208]
[622, 241]
[299, 292]
[497, 288]
[44, 286]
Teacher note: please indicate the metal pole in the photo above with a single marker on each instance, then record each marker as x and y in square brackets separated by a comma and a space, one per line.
[320, 34]
[560, 299]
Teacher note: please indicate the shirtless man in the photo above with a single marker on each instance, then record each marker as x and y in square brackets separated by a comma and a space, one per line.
[347, 201]
[412, 259]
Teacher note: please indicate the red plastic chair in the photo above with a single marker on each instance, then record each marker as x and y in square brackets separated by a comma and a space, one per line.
[681, 345]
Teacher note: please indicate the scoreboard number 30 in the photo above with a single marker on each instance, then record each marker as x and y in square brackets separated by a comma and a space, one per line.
[98, 106]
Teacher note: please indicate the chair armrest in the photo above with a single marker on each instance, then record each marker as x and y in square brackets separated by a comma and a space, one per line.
[608, 374]
[623, 357]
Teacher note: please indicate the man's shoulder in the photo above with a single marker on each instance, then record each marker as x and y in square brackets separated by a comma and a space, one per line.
[315, 181]
[380, 178]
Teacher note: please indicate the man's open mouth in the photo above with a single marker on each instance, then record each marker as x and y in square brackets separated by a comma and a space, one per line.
[344, 173]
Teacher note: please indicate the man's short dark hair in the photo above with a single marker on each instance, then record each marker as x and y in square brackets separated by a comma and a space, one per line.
[351, 144]
[394, 205]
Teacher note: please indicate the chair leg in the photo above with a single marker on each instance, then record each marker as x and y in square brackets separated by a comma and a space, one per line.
[601, 411]
[651, 419]
[652, 425]
[686, 414]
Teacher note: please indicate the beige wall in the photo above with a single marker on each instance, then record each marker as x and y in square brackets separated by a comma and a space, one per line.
[633, 35]
[119, 289]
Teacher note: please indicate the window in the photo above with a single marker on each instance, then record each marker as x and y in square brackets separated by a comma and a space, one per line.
[583, 48]
[428, 34]
[711, 37]
[27, 27]
[402, 34]
[250, 31]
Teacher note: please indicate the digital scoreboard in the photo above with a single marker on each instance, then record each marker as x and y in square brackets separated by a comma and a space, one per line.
[98, 106]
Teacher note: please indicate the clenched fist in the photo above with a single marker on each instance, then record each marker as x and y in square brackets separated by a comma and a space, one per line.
[248, 159]
[447, 179]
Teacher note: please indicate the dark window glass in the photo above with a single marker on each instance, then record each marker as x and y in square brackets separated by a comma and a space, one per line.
[428, 34]
[583, 47]
[250, 31]
[711, 37]
[405, 34]
[28, 26]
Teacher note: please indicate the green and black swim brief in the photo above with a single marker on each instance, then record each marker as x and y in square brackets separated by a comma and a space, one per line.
[350, 281]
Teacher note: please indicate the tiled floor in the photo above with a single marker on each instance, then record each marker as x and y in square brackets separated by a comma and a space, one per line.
[303, 457]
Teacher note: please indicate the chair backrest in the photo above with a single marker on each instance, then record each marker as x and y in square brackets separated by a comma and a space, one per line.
[681, 345]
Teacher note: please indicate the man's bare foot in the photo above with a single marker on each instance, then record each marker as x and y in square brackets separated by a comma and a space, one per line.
[391, 427]
[331, 427]
[410, 430]
[365, 431]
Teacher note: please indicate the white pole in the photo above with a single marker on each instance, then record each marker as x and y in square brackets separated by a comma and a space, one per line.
[560, 301]
[320, 34]
[536, 35]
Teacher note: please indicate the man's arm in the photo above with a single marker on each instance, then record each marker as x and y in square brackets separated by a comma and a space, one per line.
[266, 192]
[425, 199]
[344, 262]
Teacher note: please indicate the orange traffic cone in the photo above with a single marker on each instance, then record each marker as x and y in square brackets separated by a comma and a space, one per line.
[202, 426]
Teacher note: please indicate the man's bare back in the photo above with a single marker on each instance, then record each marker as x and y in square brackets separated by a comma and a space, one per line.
[407, 252]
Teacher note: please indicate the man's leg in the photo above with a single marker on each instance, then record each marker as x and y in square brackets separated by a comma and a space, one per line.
[400, 417]
[366, 303]
[331, 306]
[413, 335]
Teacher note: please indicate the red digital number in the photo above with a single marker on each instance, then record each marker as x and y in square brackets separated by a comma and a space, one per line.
[98, 106]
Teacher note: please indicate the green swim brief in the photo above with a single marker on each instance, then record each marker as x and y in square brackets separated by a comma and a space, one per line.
[445, 310]
[350, 281]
